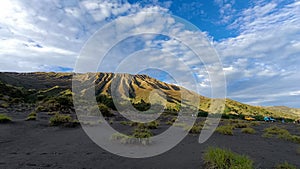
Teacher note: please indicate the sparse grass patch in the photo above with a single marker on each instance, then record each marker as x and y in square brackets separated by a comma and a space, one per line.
[142, 133]
[285, 165]
[129, 123]
[217, 158]
[171, 121]
[196, 129]
[139, 136]
[4, 105]
[226, 130]
[31, 118]
[153, 124]
[4, 118]
[248, 130]
[52, 113]
[59, 119]
[254, 123]
[33, 113]
[63, 120]
[281, 134]
[241, 125]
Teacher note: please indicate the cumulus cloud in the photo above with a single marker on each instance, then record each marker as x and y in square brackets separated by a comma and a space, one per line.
[263, 60]
[51, 33]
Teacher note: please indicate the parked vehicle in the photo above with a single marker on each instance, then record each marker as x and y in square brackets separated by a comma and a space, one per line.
[249, 118]
[269, 119]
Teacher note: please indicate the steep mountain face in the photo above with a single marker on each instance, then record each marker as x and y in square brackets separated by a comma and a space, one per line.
[52, 88]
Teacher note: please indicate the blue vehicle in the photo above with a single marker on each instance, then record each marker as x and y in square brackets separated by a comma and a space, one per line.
[269, 119]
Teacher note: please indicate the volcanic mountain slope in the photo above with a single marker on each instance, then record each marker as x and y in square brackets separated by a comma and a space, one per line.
[38, 86]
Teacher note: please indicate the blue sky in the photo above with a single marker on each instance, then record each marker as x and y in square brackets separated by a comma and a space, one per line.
[258, 41]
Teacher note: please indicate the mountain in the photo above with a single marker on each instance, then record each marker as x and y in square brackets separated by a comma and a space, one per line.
[55, 89]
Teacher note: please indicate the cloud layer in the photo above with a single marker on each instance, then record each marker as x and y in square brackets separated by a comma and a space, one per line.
[261, 63]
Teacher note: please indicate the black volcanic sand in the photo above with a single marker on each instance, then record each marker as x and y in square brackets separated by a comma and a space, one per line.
[34, 144]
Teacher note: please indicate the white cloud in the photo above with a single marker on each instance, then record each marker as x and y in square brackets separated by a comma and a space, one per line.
[40, 32]
[263, 59]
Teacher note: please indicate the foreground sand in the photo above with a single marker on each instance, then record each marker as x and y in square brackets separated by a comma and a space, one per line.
[33, 144]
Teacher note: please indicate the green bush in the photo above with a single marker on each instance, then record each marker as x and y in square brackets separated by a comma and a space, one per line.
[241, 125]
[217, 158]
[152, 125]
[129, 139]
[129, 123]
[226, 130]
[142, 133]
[101, 108]
[171, 121]
[285, 165]
[202, 113]
[196, 129]
[60, 119]
[4, 118]
[281, 134]
[4, 105]
[259, 117]
[33, 113]
[31, 116]
[142, 105]
[254, 123]
[108, 101]
[248, 130]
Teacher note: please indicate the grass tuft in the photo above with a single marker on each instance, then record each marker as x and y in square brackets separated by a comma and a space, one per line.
[63, 120]
[281, 134]
[4, 118]
[31, 116]
[285, 165]
[226, 130]
[248, 130]
[217, 158]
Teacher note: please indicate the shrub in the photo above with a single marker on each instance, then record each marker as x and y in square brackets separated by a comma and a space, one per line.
[226, 130]
[196, 129]
[281, 134]
[152, 125]
[225, 159]
[4, 105]
[4, 118]
[101, 108]
[285, 165]
[31, 118]
[137, 138]
[202, 113]
[60, 119]
[254, 123]
[241, 125]
[105, 110]
[171, 121]
[259, 117]
[33, 113]
[248, 130]
[142, 133]
[108, 101]
[129, 123]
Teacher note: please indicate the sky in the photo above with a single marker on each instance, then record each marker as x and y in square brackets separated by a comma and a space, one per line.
[257, 42]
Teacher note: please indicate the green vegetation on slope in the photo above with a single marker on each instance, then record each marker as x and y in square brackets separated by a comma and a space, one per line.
[51, 92]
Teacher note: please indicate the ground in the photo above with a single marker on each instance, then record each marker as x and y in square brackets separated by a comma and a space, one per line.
[34, 144]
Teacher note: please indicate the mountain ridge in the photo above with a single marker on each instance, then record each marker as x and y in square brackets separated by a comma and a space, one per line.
[37, 84]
